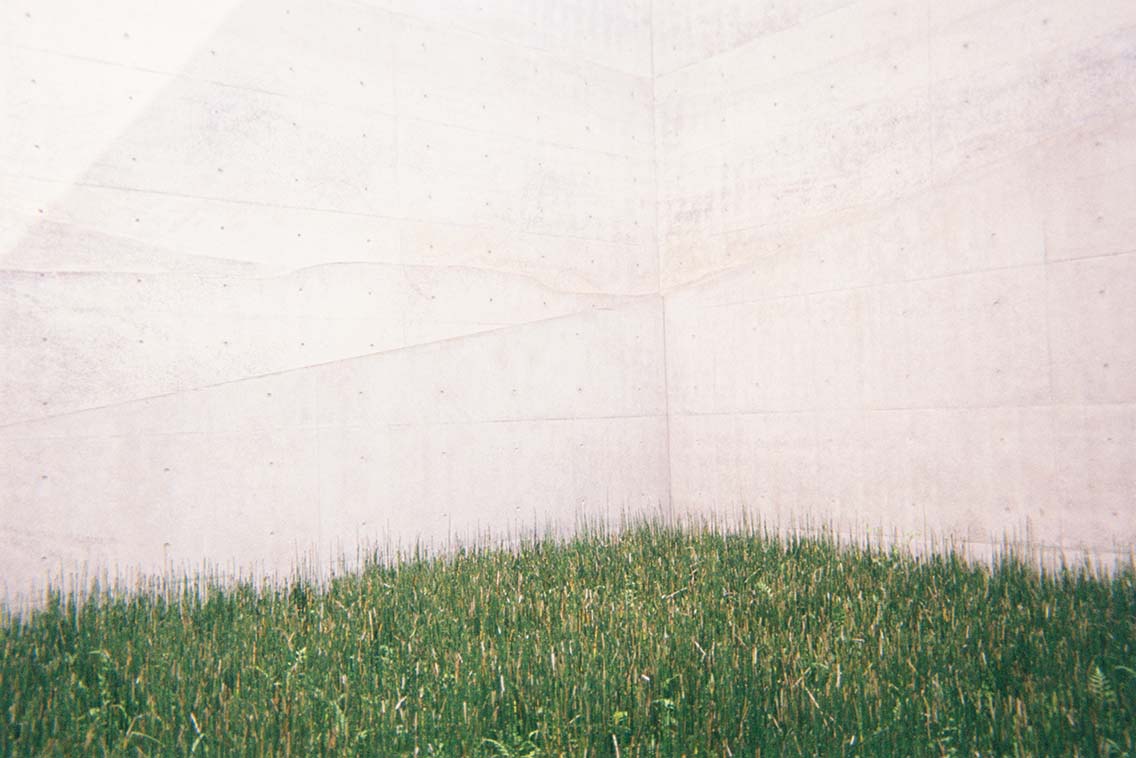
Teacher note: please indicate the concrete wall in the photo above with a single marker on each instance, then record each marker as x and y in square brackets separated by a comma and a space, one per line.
[279, 275]
[898, 264]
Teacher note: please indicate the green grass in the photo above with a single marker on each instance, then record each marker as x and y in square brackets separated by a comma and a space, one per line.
[657, 641]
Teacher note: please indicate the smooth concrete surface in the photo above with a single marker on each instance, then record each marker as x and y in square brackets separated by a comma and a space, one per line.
[897, 256]
[276, 277]
[195, 196]
[539, 426]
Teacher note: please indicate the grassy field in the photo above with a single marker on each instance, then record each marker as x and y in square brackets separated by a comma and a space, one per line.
[656, 641]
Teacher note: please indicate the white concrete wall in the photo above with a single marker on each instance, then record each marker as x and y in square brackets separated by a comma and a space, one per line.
[275, 275]
[898, 264]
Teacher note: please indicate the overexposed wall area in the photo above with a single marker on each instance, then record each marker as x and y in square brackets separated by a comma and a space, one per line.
[897, 258]
[277, 275]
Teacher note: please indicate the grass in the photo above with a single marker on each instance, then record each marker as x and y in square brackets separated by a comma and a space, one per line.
[656, 641]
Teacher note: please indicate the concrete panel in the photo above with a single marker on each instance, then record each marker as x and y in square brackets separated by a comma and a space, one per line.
[123, 229]
[712, 353]
[1096, 471]
[331, 53]
[408, 483]
[894, 247]
[542, 423]
[969, 475]
[1089, 201]
[798, 125]
[982, 475]
[1092, 307]
[242, 246]
[1009, 106]
[211, 141]
[764, 464]
[989, 221]
[454, 77]
[973, 340]
[128, 33]
[82, 340]
[227, 167]
[454, 175]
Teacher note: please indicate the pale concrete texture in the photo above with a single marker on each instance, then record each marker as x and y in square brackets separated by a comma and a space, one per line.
[285, 276]
[277, 276]
[545, 423]
[896, 245]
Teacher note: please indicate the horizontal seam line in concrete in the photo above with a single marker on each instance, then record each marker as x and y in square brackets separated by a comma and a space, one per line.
[1041, 264]
[293, 271]
[283, 271]
[376, 426]
[319, 209]
[874, 207]
[906, 409]
[335, 361]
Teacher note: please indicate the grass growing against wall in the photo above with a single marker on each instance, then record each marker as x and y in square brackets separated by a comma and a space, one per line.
[657, 641]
